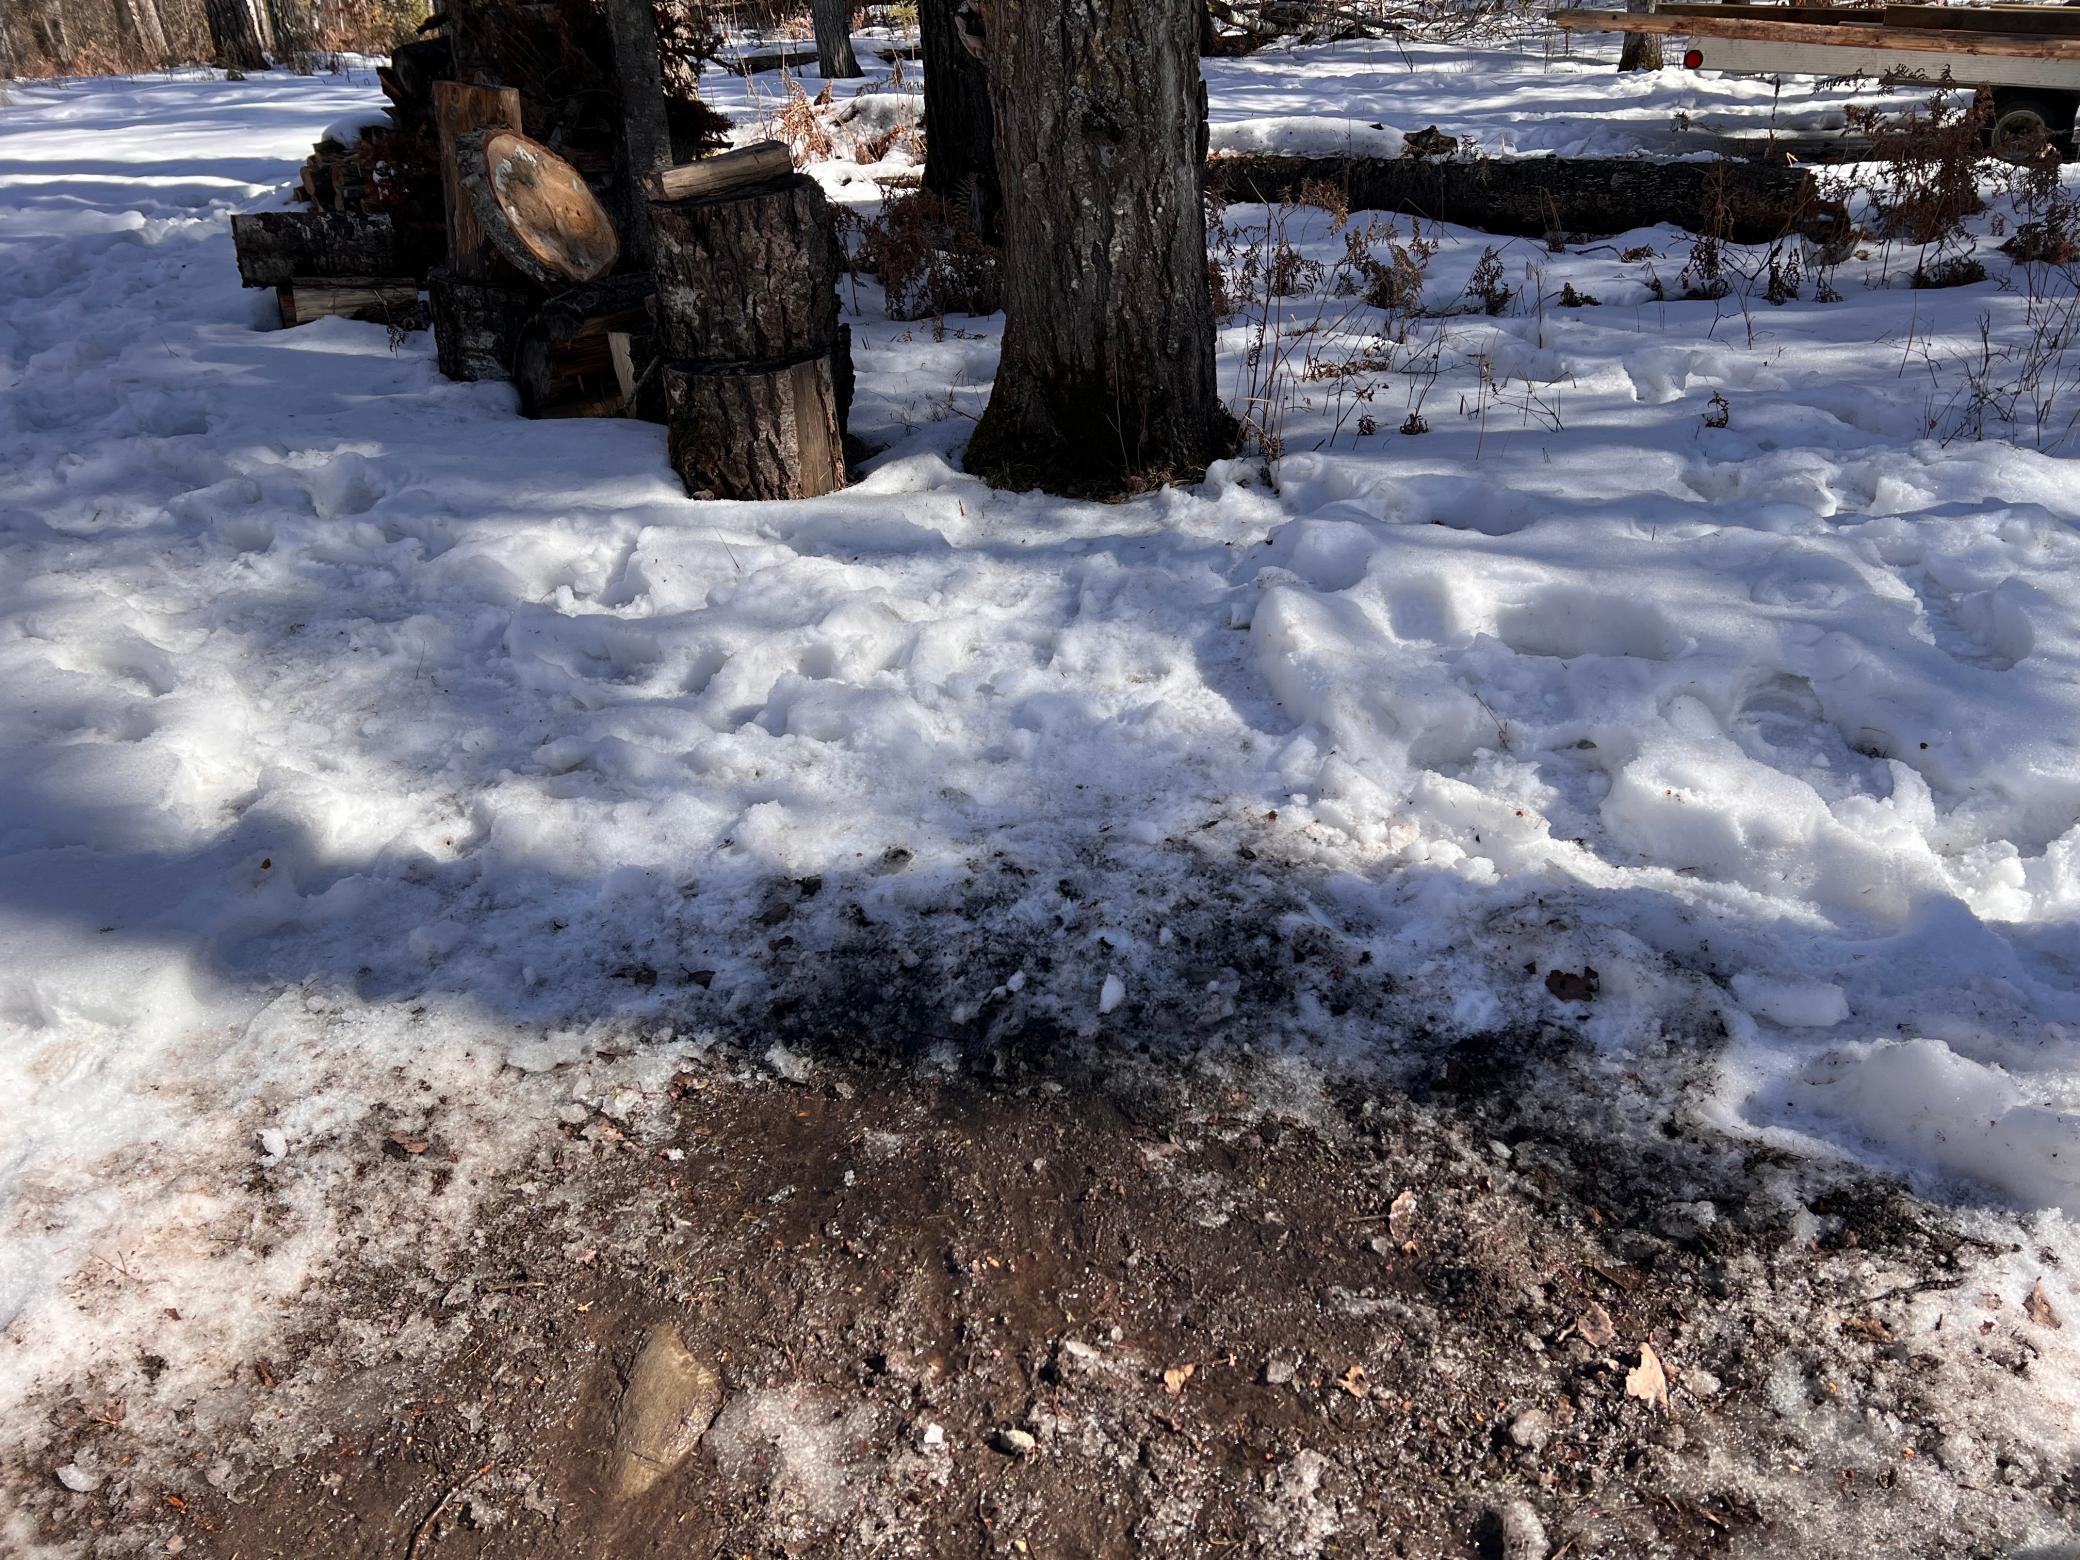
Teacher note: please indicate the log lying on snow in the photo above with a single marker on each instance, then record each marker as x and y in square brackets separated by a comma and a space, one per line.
[277, 247]
[384, 300]
[756, 430]
[564, 359]
[477, 325]
[1748, 202]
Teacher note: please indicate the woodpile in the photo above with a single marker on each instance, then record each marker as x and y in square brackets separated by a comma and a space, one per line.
[757, 371]
[327, 263]
[591, 352]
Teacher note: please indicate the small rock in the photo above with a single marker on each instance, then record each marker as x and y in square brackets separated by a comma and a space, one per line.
[931, 1437]
[671, 1400]
[1532, 1429]
[1701, 1383]
[77, 1479]
[1594, 1324]
[1523, 1534]
[1278, 1371]
[1014, 1442]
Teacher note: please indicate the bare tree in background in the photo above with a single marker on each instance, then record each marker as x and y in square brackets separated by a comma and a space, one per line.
[1107, 380]
[834, 57]
[143, 29]
[1640, 51]
[960, 132]
[234, 34]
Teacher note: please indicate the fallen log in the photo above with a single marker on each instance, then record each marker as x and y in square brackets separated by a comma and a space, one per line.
[766, 430]
[1545, 197]
[1924, 40]
[564, 361]
[276, 247]
[384, 300]
[477, 325]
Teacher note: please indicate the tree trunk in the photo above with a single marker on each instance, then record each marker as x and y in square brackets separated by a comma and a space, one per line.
[144, 33]
[9, 65]
[834, 38]
[646, 139]
[233, 35]
[1107, 376]
[960, 154]
[1640, 51]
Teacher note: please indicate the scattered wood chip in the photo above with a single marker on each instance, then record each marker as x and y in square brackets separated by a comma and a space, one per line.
[265, 1372]
[1594, 1324]
[1176, 1376]
[1870, 1327]
[410, 1144]
[1355, 1383]
[1401, 1215]
[1647, 1381]
[1571, 987]
[2038, 1307]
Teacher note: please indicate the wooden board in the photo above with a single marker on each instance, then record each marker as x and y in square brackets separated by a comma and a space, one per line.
[725, 171]
[458, 110]
[1912, 40]
[536, 209]
[382, 300]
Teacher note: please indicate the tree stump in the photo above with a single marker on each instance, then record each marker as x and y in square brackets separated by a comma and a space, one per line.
[747, 276]
[756, 430]
[477, 325]
[759, 377]
[563, 361]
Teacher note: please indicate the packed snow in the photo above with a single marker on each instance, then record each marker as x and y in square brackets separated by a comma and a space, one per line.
[372, 757]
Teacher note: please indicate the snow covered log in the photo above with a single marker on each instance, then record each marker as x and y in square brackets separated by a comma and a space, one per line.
[477, 325]
[563, 360]
[276, 247]
[1748, 202]
[756, 430]
[390, 300]
[747, 276]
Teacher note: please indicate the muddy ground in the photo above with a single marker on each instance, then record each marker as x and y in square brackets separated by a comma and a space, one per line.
[1043, 1303]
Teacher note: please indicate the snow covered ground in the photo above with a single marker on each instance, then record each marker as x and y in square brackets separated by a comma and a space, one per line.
[372, 759]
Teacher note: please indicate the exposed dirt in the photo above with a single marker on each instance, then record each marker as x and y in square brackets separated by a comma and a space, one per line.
[1238, 1309]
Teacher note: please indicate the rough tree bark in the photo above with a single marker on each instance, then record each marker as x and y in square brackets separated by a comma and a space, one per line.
[1107, 376]
[1640, 51]
[143, 30]
[834, 57]
[234, 35]
[8, 66]
[960, 154]
[646, 139]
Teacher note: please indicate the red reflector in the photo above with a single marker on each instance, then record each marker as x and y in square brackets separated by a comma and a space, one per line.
[1693, 59]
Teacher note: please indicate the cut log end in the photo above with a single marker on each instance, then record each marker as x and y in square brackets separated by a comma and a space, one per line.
[535, 207]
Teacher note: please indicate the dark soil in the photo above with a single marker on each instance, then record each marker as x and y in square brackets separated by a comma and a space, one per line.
[1198, 1286]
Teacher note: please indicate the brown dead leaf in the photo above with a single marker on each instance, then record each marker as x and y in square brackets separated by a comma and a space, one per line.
[1647, 1381]
[1871, 1327]
[410, 1144]
[2038, 1307]
[1594, 1325]
[1355, 1383]
[1176, 1376]
[1570, 987]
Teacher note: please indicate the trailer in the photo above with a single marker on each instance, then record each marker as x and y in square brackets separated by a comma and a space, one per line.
[2026, 56]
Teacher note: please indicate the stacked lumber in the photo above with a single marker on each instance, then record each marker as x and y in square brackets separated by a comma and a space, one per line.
[757, 370]
[328, 263]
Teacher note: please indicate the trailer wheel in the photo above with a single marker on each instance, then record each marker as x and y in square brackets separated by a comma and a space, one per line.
[2024, 123]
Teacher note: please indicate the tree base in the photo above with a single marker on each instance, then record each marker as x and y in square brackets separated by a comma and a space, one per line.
[1022, 453]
